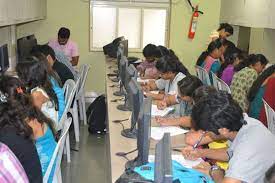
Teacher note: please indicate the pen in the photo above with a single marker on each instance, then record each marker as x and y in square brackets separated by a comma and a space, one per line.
[199, 141]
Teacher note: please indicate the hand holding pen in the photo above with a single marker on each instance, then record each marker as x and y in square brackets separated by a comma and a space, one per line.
[191, 152]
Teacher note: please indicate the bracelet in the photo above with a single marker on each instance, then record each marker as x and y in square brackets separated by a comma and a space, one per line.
[214, 168]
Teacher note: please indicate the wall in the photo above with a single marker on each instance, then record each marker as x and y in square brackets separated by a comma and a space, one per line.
[75, 15]
[262, 41]
[189, 50]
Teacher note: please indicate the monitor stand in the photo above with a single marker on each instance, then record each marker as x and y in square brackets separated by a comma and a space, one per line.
[116, 80]
[131, 164]
[129, 133]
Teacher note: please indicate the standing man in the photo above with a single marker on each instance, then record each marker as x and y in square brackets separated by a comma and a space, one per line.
[68, 47]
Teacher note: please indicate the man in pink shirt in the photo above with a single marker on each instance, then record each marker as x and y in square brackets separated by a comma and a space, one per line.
[68, 47]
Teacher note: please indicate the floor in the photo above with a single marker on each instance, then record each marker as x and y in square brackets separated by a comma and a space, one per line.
[89, 163]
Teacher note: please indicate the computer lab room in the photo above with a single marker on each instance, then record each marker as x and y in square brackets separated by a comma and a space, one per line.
[137, 91]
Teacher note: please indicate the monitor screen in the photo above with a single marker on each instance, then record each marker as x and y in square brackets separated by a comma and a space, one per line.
[144, 132]
[136, 99]
[163, 160]
[4, 58]
[24, 47]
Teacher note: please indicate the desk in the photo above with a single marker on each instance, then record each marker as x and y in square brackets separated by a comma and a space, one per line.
[118, 143]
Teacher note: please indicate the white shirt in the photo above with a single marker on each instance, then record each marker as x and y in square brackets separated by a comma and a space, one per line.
[170, 87]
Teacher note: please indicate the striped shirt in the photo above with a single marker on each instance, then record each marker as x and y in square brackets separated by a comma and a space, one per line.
[10, 168]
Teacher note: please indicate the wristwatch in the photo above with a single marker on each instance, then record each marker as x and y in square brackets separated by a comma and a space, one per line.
[214, 168]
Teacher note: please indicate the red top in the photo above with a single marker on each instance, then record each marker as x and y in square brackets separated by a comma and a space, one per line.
[269, 97]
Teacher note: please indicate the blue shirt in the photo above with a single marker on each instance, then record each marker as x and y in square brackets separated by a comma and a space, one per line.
[60, 97]
[45, 147]
[215, 67]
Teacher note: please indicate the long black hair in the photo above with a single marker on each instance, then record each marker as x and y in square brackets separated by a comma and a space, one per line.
[188, 85]
[216, 111]
[216, 44]
[21, 101]
[230, 55]
[171, 63]
[259, 81]
[33, 73]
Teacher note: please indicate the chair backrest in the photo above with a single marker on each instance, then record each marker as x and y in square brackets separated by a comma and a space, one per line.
[69, 88]
[203, 75]
[270, 116]
[55, 162]
[219, 84]
[83, 76]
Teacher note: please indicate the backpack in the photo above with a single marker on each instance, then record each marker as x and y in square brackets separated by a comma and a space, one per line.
[96, 116]
[146, 175]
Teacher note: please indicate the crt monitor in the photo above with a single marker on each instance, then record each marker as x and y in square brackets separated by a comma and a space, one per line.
[24, 47]
[4, 58]
[163, 160]
[136, 95]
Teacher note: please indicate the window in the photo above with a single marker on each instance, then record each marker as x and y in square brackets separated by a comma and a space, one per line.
[141, 23]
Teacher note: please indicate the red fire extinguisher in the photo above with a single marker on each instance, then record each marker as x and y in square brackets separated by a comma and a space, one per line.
[193, 24]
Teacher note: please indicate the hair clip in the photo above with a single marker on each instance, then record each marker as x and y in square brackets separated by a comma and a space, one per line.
[19, 90]
[3, 97]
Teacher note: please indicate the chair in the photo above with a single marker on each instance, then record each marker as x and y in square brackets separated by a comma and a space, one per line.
[203, 75]
[80, 93]
[57, 155]
[219, 84]
[69, 92]
[270, 116]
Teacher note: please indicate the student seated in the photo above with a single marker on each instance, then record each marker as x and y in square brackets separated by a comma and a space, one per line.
[224, 31]
[148, 68]
[269, 98]
[209, 59]
[256, 92]
[67, 46]
[270, 175]
[62, 70]
[17, 135]
[11, 169]
[61, 57]
[171, 71]
[233, 59]
[243, 80]
[41, 126]
[33, 74]
[186, 87]
[252, 145]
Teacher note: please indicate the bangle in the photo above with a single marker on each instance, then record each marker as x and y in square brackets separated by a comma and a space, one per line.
[214, 168]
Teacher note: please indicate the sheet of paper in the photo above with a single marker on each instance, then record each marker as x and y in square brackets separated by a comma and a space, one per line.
[139, 80]
[157, 112]
[181, 160]
[158, 132]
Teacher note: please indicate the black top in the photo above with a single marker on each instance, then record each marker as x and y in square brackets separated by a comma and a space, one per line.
[25, 151]
[63, 71]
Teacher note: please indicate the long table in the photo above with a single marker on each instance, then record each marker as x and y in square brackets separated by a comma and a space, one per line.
[118, 143]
